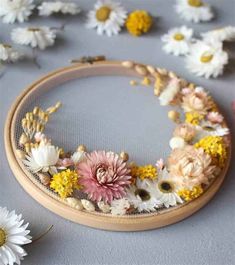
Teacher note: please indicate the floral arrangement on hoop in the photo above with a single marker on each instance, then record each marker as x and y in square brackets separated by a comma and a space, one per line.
[108, 182]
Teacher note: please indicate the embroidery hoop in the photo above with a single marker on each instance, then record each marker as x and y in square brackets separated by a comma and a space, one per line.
[52, 202]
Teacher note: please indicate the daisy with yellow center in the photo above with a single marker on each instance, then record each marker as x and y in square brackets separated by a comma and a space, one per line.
[177, 41]
[64, 183]
[189, 195]
[215, 147]
[107, 17]
[139, 22]
[194, 10]
[219, 35]
[206, 59]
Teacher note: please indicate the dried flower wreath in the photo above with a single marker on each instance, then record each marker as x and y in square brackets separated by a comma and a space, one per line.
[108, 182]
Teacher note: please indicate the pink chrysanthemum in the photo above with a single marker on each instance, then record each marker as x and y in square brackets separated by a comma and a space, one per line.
[104, 176]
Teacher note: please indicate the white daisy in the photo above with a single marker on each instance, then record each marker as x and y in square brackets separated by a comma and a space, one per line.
[49, 8]
[8, 54]
[143, 196]
[107, 17]
[42, 158]
[169, 93]
[206, 59]
[193, 10]
[16, 10]
[177, 40]
[208, 128]
[167, 189]
[77, 156]
[219, 35]
[13, 234]
[40, 37]
[120, 207]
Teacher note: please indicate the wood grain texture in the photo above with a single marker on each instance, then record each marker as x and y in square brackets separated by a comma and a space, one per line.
[97, 220]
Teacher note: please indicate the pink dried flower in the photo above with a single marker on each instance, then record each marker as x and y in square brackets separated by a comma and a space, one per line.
[66, 162]
[196, 102]
[185, 131]
[186, 91]
[104, 176]
[160, 164]
[190, 166]
[215, 117]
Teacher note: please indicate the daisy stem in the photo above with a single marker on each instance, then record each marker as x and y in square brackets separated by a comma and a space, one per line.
[43, 234]
[62, 27]
[34, 58]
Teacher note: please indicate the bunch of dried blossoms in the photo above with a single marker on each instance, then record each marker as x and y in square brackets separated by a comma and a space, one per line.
[110, 183]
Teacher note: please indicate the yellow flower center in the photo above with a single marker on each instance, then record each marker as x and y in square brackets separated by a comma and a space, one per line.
[178, 36]
[206, 57]
[195, 3]
[144, 195]
[103, 13]
[166, 186]
[2, 237]
[33, 29]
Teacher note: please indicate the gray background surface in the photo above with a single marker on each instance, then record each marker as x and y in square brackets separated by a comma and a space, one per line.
[108, 114]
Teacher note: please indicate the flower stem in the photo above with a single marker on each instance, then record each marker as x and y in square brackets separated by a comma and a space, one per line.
[43, 234]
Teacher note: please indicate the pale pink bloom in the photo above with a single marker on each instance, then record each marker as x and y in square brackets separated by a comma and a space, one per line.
[160, 164]
[190, 166]
[196, 102]
[66, 162]
[104, 176]
[215, 117]
[186, 91]
[185, 131]
[39, 136]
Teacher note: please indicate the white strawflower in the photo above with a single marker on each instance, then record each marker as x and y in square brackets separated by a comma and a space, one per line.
[194, 10]
[177, 142]
[49, 8]
[206, 59]
[167, 189]
[219, 35]
[143, 196]
[36, 37]
[120, 206]
[42, 158]
[16, 10]
[8, 54]
[169, 93]
[107, 17]
[77, 156]
[207, 128]
[177, 41]
[13, 234]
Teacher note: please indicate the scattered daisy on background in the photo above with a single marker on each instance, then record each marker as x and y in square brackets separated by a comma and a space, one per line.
[44, 157]
[194, 10]
[8, 54]
[219, 35]
[16, 10]
[178, 40]
[139, 22]
[107, 17]
[13, 234]
[49, 8]
[167, 190]
[206, 59]
[143, 196]
[36, 37]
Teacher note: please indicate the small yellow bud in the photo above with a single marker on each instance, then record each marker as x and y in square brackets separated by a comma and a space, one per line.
[174, 115]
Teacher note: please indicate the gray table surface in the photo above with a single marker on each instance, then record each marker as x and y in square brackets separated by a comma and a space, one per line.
[205, 238]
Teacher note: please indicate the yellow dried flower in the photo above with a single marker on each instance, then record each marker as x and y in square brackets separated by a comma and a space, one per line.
[193, 118]
[139, 22]
[64, 183]
[215, 147]
[189, 195]
[143, 172]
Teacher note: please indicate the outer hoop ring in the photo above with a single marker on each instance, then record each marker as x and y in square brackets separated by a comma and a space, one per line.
[95, 220]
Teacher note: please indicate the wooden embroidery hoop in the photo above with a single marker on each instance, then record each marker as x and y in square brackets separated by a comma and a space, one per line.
[93, 219]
